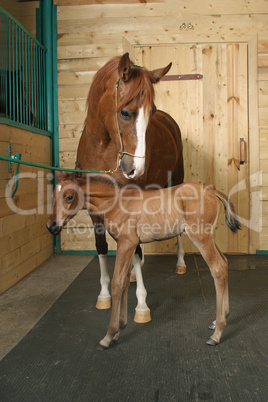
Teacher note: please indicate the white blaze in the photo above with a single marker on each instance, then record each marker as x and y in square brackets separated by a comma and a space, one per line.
[141, 126]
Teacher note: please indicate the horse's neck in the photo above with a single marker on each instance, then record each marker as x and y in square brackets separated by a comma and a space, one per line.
[98, 195]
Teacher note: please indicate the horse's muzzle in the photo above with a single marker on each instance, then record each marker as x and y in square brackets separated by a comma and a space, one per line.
[131, 168]
[54, 228]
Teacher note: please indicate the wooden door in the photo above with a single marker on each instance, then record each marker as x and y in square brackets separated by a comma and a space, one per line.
[212, 113]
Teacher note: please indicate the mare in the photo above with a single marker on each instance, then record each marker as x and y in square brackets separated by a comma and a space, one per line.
[133, 216]
[125, 135]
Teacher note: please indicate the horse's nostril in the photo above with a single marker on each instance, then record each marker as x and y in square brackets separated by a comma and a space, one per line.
[131, 173]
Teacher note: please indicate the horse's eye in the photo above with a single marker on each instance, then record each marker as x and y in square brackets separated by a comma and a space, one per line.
[69, 198]
[125, 114]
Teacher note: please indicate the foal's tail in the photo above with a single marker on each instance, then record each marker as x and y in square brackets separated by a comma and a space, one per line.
[230, 214]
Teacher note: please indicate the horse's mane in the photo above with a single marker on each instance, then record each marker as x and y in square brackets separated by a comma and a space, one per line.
[140, 84]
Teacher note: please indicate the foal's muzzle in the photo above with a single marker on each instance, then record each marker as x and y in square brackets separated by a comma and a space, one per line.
[54, 228]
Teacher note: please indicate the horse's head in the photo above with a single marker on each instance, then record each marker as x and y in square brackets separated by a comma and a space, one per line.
[135, 105]
[68, 199]
[125, 108]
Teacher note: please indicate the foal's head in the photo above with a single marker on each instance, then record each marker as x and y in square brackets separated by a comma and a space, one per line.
[68, 199]
[126, 111]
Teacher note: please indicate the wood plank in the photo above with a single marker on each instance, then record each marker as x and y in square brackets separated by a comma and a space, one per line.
[76, 78]
[89, 50]
[263, 60]
[88, 12]
[70, 130]
[102, 2]
[117, 24]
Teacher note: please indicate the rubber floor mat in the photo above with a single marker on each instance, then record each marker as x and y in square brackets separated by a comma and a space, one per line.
[164, 360]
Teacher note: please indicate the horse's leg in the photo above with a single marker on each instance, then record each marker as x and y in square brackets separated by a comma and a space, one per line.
[181, 266]
[104, 298]
[226, 294]
[142, 311]
[123, 306]
[120, 283]
[219, 269]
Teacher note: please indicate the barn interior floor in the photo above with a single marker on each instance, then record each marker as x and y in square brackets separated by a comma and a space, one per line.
[50, 329]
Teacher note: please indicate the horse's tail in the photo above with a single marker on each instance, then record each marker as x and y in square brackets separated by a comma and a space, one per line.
[230, 214]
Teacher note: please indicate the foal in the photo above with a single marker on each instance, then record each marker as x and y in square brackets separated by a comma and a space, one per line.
[134, 216]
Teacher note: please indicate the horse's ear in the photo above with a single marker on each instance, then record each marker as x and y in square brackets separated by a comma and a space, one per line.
[156, 75]
[124, 68]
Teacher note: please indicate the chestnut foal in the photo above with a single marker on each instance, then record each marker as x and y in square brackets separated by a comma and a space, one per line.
[133, 216]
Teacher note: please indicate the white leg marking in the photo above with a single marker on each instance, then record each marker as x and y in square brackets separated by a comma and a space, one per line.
[104, 298]
[104, 276]
[181, 266]
[141, 292]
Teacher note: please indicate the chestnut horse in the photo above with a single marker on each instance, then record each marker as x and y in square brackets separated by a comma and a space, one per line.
[133, 216]
[125, 135]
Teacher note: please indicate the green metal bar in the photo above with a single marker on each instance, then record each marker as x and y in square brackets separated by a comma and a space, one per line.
[13, 73]
[262, 252]
[20, 88]
[9, 16]
[29, 83]
[8, 159]
[9, 69]
[23, 76]
[23, 126]
[16, 113]
[47, 41]
[35, 84]
[32, 82]
[26, 77]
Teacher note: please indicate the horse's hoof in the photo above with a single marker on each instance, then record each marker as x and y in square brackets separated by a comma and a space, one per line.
[133, 277]
[212, 326]
[101, 347]
[103, 303]
[180, 269]
[142, 316]
[212, 342]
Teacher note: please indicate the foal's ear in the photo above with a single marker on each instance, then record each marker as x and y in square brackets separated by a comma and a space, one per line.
[61, 175]
[156, 75]
[124, 68]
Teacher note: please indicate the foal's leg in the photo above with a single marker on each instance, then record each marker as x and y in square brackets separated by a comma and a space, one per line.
[181, 266]
[226, 293]
[142, 311]
[104, 298]
[219, 270]
[120, 282]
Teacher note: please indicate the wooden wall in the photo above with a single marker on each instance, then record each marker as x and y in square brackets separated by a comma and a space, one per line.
[91, 32]
[24, 240]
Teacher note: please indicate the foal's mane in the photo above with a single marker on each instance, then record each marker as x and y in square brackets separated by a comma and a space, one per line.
[139, 84]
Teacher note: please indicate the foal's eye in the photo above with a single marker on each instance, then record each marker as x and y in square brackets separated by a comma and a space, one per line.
[125, 114]
[69, 198]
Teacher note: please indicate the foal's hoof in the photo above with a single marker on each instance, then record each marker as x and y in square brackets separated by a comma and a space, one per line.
[212, 326]
[212, 342]
[142, 316]
[104, 346]
[180, 269]
[103, 303]
[101, 347]
[133, 277]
